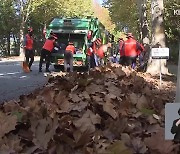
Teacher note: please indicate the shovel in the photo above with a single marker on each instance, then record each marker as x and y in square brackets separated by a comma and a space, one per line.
[25, 66]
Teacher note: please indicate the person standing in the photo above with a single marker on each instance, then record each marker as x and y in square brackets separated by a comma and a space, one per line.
[130, 49]
[28, 47]
[90, 56]
[47, 48]
[68, 56]
[175, 129]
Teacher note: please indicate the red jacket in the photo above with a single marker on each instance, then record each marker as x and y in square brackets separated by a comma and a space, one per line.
[70, 48]
[139, 51]
[101, 51]
[89, 51]
[49, 45]
[28, 42]
[130, 48]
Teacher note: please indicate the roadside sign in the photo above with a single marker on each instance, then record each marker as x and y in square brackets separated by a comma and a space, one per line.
[160, 53]
[177, 12]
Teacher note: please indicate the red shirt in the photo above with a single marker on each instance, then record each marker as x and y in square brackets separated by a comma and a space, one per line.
[130, 47]
[49, 45]
[29, 42]
[120, 48]
[70, 48]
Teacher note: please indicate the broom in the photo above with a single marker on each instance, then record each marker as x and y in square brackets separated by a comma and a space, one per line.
[25, 66]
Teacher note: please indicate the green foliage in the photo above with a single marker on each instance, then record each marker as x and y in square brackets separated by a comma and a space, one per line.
[124, 13]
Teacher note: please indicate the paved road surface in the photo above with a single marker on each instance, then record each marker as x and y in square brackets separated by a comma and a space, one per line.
[14, 82]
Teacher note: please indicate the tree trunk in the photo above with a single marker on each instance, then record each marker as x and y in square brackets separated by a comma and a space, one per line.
[158, 37]
[21, 54]
[8, 45]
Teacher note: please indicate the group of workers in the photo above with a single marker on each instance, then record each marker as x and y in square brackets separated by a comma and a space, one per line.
[46, 51]
[129, 50]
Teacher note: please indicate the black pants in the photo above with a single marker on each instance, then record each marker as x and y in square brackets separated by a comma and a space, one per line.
[131, 61]
[122, 60]
[45, 54]
[29, 54]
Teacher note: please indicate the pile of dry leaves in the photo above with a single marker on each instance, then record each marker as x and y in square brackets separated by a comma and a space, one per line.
[113, 110]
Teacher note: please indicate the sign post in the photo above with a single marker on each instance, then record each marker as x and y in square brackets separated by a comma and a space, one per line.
[160, 53]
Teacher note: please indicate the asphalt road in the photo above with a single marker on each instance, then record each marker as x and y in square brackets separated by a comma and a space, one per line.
[14, 82]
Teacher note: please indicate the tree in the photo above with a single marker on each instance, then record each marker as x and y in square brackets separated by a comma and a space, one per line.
[158, 36]
[103, 15]
[7, 20]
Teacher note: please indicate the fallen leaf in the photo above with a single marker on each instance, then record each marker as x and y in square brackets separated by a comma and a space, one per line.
[109, 108]
[10, 144]
[138, 146]
[87, 122]
[119, 147]
[81, 138]
[134, 98]
[44, 131]
[7, 123]
[161, 145]
[119, 72]
[74, 97]
[142, 103]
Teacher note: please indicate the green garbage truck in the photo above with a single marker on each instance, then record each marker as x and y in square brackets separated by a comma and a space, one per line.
[80, 32]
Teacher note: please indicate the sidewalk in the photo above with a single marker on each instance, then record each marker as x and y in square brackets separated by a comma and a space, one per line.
[16, 58]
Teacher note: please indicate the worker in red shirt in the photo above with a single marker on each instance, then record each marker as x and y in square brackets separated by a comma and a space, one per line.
[28, 48]
[90, 56]
[101, 52]
[47, 48]
[130, 49]
[68, 56]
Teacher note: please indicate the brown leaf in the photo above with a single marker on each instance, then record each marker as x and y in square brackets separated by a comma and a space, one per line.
[114, 90]
[81, 138]
[151, 120]
[86, 96]
[79, 106]
[109, 135]
[48, 95]
[117, 126]
[126, 139]
[44, 131]
[158, 142]
[74, 97]
[97, 99]
[7, 124]
[101, 146]
[142, 103]
[119, 72]
[134, 98]
[10, 144]
[11, 106]
[61, 97]
[138, 146]
[109, 108]
[93, 88]
[119, 147]
[87, 122]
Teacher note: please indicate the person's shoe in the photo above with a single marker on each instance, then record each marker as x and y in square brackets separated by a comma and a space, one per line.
[47, 70]
[40, 70]
[30, 70]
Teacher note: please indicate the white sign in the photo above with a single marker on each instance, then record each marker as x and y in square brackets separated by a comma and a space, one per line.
[160, 53]
[177, 12]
